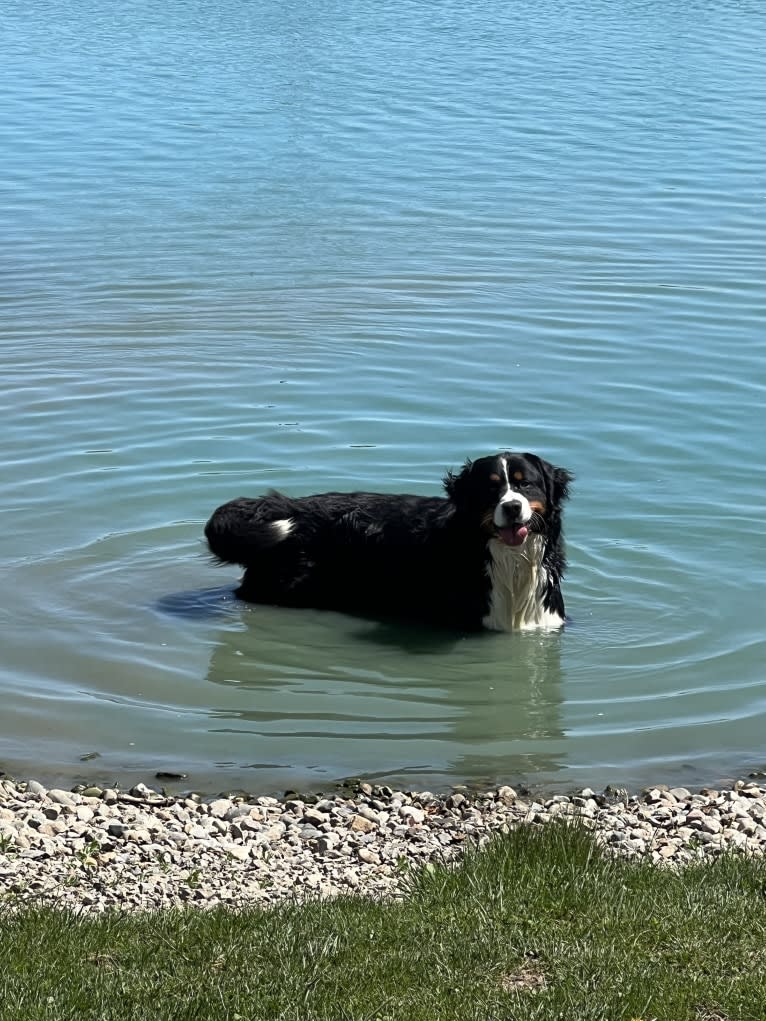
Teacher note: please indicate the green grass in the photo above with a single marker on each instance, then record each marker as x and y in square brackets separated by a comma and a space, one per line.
[539, 925]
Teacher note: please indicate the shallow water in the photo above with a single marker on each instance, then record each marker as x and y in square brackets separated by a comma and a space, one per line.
[327, 246]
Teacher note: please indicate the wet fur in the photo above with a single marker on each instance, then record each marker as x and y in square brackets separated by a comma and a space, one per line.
[438, 560]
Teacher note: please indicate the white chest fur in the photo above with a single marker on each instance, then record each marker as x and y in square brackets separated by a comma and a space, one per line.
[518, 580]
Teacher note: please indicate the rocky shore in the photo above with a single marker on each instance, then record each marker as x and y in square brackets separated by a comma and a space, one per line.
[93, 849]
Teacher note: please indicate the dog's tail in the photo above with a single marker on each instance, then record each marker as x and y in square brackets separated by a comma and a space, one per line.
[242, 530]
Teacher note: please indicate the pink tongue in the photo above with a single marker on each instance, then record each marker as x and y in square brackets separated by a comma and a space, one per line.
[514, 536]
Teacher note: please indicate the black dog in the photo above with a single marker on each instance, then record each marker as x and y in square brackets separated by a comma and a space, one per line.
[489, 555]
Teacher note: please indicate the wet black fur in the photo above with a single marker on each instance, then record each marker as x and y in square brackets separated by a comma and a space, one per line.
[422, 558]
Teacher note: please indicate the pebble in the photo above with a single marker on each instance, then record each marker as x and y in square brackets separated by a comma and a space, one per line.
[96, 849]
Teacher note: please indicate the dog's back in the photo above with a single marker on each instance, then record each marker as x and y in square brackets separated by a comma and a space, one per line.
[369, 553]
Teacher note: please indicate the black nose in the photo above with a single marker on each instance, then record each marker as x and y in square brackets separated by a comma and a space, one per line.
[511, 511]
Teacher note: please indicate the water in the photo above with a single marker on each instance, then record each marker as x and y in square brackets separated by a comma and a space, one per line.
[320, 246]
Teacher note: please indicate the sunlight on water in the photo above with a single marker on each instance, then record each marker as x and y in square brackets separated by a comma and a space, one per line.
[317, 247]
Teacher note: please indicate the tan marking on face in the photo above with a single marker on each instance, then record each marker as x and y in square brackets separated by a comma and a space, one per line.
[518, 476]
[494, 478]
[537, 505]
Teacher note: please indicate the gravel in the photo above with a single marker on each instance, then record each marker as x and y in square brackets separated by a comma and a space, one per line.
[94, 849]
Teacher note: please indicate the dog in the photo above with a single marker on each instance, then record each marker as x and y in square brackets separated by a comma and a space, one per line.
[489, 555]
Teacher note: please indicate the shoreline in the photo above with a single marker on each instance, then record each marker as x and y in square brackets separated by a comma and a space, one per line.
[93, 849]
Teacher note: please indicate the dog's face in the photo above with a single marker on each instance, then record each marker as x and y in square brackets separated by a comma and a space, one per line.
[511, 495]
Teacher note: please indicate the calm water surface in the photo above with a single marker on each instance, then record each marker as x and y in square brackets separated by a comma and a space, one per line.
[322, 245]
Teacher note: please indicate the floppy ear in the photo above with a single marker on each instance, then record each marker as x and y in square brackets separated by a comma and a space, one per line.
[557, 479]
[456, 485]
[561, 480]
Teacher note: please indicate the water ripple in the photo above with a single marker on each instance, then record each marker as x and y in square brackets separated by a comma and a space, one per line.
[313, 247]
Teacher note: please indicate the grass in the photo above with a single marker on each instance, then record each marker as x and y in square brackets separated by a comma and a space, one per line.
[539, 925]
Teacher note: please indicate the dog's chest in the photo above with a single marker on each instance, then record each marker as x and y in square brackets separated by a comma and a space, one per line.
[517, 587]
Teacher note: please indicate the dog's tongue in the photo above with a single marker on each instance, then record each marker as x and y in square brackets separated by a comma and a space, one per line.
[513, 536]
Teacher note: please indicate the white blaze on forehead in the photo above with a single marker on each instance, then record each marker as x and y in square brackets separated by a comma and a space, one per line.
[510, 495]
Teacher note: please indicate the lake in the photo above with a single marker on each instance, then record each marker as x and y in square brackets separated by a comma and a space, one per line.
[322, 246]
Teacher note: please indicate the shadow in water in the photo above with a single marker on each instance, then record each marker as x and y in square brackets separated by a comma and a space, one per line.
[214, 603]
[200, 604]
[410, 638]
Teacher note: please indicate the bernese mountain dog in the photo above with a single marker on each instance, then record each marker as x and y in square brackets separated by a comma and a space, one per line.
[488, 555]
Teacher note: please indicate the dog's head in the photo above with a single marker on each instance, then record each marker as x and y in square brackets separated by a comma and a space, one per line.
[511, 496]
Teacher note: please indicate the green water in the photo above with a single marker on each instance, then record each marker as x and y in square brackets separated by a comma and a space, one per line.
[320, 246]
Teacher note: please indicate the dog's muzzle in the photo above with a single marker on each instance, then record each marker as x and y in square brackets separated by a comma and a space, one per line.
[511, 520]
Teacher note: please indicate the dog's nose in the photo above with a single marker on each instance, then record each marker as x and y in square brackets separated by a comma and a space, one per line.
[511, 510]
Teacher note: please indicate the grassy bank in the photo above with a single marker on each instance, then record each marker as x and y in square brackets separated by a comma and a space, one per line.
[539, 925]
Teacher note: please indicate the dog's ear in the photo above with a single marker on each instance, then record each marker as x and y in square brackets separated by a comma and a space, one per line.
[561, 480]
[557, 479]
[456, 485]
